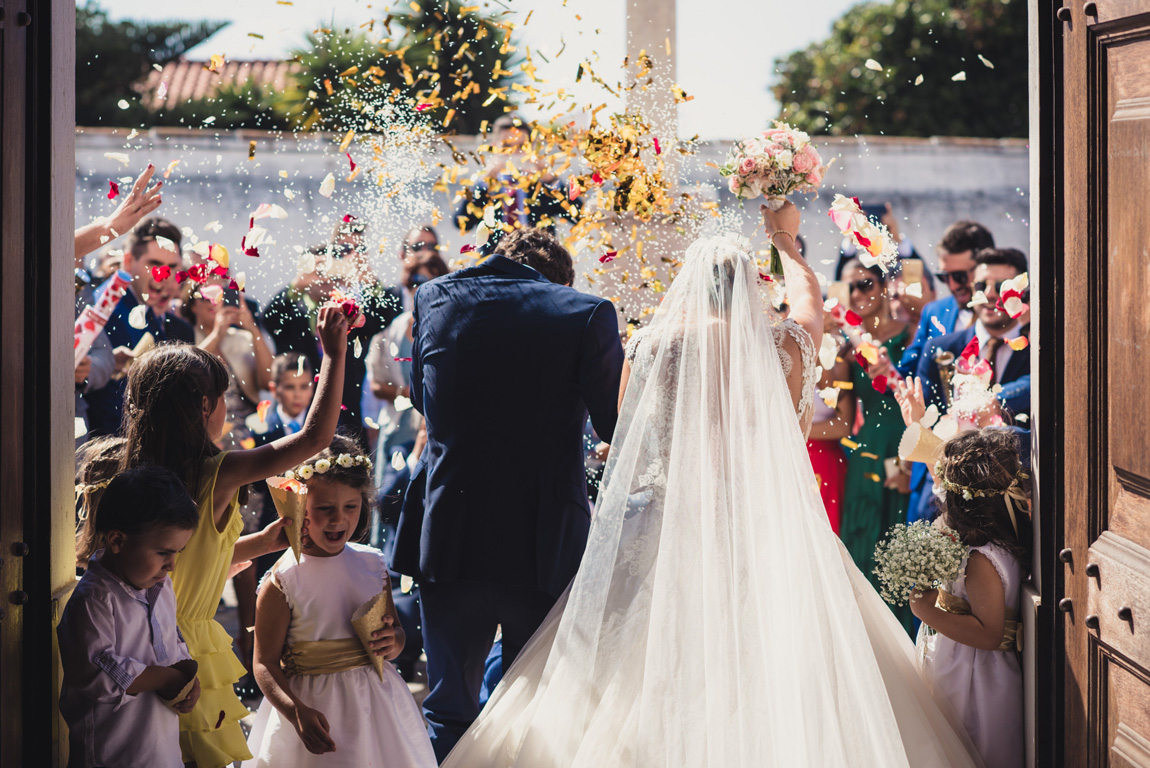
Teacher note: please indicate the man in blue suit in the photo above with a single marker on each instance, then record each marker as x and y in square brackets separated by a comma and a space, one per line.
[961, 241]
[507, 361]
[993, 328]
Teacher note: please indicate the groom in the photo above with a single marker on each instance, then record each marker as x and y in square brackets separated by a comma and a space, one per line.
[507, 360]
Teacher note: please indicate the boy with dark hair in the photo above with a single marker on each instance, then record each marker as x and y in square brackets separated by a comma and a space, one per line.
[540, 250]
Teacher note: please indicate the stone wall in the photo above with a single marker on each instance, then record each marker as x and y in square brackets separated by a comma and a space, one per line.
[930, 183]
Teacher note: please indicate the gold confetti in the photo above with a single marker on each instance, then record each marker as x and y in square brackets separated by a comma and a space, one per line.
[868, 455]
[843, 385]
[251, 150]
[848, 443]
[873, 476]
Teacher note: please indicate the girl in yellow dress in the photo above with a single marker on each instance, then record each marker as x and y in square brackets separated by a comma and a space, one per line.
[174, 408]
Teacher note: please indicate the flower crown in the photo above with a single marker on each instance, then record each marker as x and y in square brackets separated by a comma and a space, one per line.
[969, 493]
[320, 467]
[82, 489]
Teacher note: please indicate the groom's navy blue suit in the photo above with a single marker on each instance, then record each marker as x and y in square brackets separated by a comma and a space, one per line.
[506, 366]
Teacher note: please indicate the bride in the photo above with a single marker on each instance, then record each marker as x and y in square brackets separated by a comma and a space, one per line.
[715, 619]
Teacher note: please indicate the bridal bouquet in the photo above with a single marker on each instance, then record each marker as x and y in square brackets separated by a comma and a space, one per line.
[917, 557]
[774, 165]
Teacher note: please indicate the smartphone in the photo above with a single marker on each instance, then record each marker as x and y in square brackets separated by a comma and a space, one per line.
[231, 297]
[911, 271]
[841, 292]
[874, 210]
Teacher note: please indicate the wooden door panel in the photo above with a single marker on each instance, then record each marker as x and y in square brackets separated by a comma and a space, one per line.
[1106, 272]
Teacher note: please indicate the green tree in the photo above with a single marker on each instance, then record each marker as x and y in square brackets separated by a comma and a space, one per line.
[827, 88]
[112, 56]
[454, 61]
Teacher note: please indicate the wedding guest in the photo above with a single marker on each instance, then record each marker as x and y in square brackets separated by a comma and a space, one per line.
[325, 692]
[290, 316]
[120, 650]
[956, 250]
[151, 248]
[96, 368]
[109, 260]
[971, 631]
[522, 187]
[995, 330]
[875, 492]
[135, 205]
[910, 293]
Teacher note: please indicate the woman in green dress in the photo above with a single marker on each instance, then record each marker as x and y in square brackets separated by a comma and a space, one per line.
[873, 500]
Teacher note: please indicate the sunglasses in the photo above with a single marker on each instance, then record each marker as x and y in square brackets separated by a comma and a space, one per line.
[420, 246]
[985, 285]
[866, 285]
[958, 277]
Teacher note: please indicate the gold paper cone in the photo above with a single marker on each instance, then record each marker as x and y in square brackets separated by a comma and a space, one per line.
[290, 497]
[368, 618]
[920, 444]
[188, 666]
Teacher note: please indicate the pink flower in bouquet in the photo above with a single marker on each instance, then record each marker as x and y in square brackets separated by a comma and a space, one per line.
[747, 167]
[773, 149]
[734, 183]
[815, 177]
[771, 132]
[806, 160]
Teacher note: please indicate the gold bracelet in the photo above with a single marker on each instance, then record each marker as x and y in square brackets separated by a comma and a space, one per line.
[771, 236]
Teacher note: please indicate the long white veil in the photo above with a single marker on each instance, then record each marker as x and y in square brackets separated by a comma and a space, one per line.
[713, 620]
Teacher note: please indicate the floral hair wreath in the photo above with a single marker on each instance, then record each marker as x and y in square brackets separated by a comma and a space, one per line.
[1012, 492]
[345, 460]
[84, 490]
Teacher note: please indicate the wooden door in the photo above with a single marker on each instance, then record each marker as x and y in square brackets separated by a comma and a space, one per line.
[1105, 264]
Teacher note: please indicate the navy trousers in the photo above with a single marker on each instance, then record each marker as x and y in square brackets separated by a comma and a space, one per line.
[459, 622]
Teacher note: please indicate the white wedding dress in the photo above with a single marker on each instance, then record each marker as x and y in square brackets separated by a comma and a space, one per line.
[715, 619]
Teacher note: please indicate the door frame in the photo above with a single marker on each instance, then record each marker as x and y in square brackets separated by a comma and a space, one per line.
[1045, 663]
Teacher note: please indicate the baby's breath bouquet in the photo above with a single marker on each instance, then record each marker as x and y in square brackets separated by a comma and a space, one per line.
[917, 557]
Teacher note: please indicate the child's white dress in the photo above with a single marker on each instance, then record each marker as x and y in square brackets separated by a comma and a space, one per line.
[374, 723]
[983, 687]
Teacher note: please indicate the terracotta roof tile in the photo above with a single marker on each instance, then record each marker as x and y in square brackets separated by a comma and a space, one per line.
[190, 80]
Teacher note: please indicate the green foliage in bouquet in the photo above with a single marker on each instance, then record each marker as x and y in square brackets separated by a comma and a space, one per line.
[917, 557]
[828, 87]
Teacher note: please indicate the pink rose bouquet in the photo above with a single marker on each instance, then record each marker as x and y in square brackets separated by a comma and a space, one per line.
[774, 165]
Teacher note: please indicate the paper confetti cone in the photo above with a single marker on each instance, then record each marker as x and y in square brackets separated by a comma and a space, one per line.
[291, 503]
[368, 618]
[920, 444]
[189, 666]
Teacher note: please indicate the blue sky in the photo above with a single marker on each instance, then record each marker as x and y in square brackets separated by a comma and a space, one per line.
[724, 52]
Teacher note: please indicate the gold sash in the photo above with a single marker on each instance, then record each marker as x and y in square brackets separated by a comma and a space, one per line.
[1011, 637]
[323, 657]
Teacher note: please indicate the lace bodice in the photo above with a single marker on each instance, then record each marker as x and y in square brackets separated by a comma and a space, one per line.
[640, 352]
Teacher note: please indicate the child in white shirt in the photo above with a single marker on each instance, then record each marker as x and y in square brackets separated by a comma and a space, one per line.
[123, 658]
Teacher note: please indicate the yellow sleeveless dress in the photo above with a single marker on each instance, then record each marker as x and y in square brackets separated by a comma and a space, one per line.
[210, 734]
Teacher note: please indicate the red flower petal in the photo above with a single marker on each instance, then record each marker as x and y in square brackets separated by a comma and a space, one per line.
[971, 349]
[766, 278]
[658, 149]
[880, 384]
[181, 276]
[219, 272]
[422, 106]
[160, 274]
[595, 177]
[113, 190]
[347, 217]
[350, 160]
[403, 359]
[852, 318]
[608, 257]
[863, 241]
[861, 360]
[467, 248]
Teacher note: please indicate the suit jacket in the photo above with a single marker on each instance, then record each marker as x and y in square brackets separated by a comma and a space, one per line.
[106, 405]
[505, 367]
[941, 312]
[288, 321]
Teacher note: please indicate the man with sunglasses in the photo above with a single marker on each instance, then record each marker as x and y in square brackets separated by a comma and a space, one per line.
[993, 328]
[961, 241]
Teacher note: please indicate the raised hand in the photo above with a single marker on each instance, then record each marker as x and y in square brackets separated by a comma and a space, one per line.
[138, 203]
[313, 730]
[911, 401]
[786, 219]
[332, 329]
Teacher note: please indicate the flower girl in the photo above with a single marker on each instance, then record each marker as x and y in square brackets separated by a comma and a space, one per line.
[970, 633]
[327, 702]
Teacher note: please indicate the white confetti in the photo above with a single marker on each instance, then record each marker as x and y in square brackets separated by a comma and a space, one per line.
[81, 429]
[985, 61]
[166, 244]
[123, 104]
[241, 279]
[213, 226]
[402, 403]
[915, 290]
[357, 348]
[306, 264]
[959, 77]
[874, 65]
[918, 80]
[138, 317]
[119, 157]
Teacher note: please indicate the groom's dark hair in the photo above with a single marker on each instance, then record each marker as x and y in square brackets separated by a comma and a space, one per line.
[540, 250]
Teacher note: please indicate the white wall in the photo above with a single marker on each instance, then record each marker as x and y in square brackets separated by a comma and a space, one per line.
[930, 183]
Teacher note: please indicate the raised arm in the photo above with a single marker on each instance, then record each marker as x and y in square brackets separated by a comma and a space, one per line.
[803, 292]
[601, 369]
[243, 467]
[137, 204]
